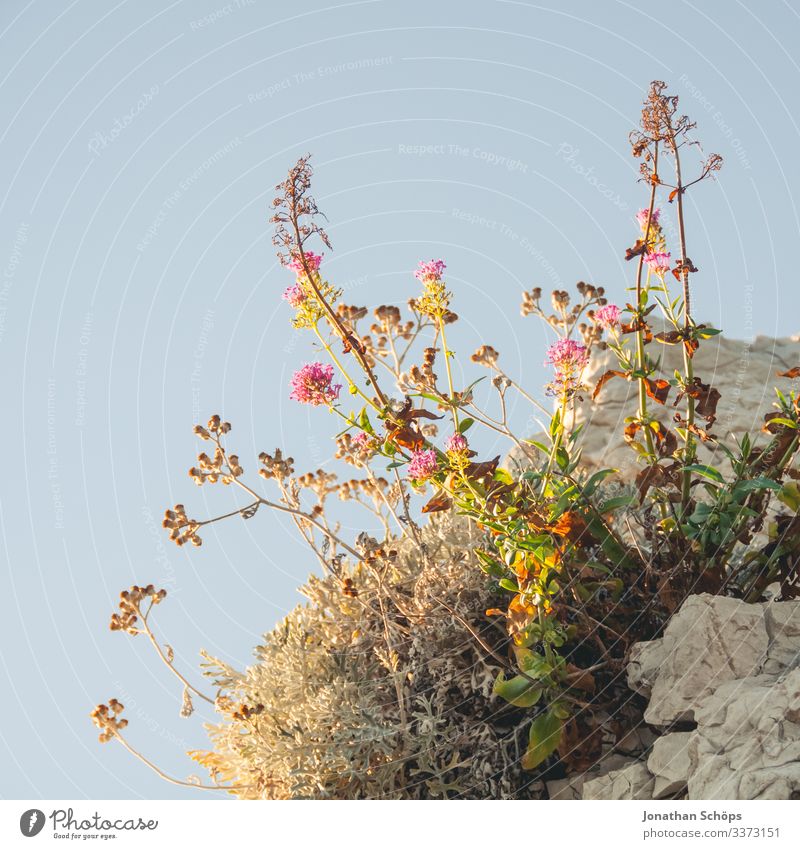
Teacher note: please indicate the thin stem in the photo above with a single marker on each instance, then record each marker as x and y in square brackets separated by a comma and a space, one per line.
[640, 355]
[522, 392]
[688, 366]
[421, 325]
[343, 370]
[371, 475]
[166, 660]
[556, 443]
[353, 343]
[499, 427]
[284, 508]
[453, 408]
[172, 780]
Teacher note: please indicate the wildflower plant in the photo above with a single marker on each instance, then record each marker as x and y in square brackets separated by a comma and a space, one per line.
[581, 565]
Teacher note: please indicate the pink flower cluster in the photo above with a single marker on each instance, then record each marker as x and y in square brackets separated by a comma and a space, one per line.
[569, 358]
[422, 466]
[608, 316]
[658, 262]
[313, 384]
[313, 260]
[567, 355]
[642, 215]
[362, 441]
[456, 444]
[429, 271]
[294, 295]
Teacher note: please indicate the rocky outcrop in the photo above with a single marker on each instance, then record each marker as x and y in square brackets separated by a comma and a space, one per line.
[744, 372]
[747, 742]
[710, 641]
[631, 782]
[669, 764]
[732, 671]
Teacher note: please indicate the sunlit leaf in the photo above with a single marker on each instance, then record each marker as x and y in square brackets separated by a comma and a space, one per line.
[543, 739]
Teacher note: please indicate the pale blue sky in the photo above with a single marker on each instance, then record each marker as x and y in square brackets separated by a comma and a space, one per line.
[140, 290]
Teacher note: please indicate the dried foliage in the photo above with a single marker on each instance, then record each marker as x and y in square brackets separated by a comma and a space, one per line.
[329, 725]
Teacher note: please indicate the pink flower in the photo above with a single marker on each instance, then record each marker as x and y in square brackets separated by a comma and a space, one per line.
[294, 295]
[569, 358]
[312, 384]
[456, 444]
[567, 354]
[642, 214]
[423, 464]
[429, 271]
[363, 442]
[608, 316]
[658, 262]
[312, 259]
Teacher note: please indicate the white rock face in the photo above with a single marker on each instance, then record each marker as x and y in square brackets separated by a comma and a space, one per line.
[572, 786]
[783, 628]
[743, 372]
[630, 782]
[747, 744]
[708, 641]
[734, 670]
[670, 764]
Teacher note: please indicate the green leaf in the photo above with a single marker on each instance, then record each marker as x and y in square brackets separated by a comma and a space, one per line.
[616, 502]
[503, 475]
[790, 496]
[596, 479]
[555, 424]
[575, 433]
[543, 739]
[756, 484]
[489, 564]
[364, 422]
[510, 585]
[785, 422]
[465, 425]
[708, 332]
[435, 398]
[474, 383]
[518, 691]
[706, 471]
[540, 445]
[532, 663]
[567, 496]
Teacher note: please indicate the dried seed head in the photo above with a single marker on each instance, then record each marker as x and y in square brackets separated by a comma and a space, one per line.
[276, 466]
[485, 356]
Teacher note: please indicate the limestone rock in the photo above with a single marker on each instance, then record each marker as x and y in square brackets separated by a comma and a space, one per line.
[733, 669]
[710, 640]
[572, 786]
[747, 743]
[743, 371]
[670, 763]
[644, 663]
[782, 620]
[566, 788]
[636, 741]
[630, 782]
